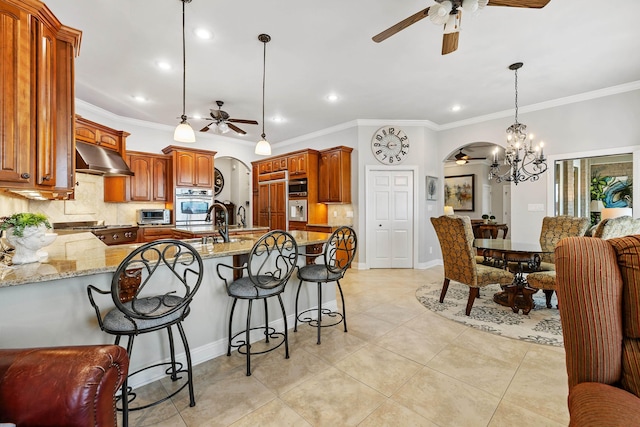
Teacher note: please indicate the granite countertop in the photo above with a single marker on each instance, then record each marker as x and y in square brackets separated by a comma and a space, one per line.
[82, 254]
[210, 228]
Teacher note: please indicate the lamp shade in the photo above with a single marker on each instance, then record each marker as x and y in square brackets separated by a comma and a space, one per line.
[184, 133]
[448, 210]
[263, 148]
[615, 212]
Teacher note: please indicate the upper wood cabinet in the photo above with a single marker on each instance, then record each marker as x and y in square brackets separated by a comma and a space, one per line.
[335, 175]
[95, 133]
[297, 165]
[191, 168]
[150, 182]
[36, 142]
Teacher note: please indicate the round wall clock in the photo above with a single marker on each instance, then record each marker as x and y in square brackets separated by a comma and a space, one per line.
[390, 145]
[218, 181]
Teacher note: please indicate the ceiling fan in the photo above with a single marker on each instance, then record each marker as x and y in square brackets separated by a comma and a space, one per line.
[462, 158]
[223, 122]
[448, 13]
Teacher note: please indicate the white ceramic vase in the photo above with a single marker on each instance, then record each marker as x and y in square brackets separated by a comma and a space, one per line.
[27, 247]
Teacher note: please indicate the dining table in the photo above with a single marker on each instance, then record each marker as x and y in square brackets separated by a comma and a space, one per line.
[520, 257]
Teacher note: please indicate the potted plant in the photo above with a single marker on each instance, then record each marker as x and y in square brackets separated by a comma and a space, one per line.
[492, 219]
[485, 218]
[27, 233]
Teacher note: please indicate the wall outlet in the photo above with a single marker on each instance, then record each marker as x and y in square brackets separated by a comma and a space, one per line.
[335, 214]
[430, 249]
[349, 214]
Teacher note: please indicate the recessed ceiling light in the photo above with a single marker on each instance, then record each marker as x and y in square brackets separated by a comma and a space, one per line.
[163, 65]
[278, 119]
[332, 97]
[203, 33]
[456, 108]
[139, 98]
[197, 116]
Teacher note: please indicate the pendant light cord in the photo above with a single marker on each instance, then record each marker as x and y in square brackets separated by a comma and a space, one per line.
[516, 95]
[184, 64]
[264, 72]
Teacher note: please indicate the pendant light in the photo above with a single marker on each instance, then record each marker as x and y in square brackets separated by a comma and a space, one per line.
[184, 132]
[263, 147]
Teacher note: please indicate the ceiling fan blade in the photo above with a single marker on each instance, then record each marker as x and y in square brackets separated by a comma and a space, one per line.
[248, 122]
[450, 42]
[206, 128]
[400, 25]
[533, 4]
[236, 129]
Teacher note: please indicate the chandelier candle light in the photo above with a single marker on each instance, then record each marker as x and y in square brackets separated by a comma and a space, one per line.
[525, 161]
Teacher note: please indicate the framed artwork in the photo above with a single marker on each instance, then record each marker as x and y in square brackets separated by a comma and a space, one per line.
[432, 188]
[459, 191]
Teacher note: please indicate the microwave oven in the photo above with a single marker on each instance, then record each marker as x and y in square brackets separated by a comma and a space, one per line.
[297, 188]
[154, 216]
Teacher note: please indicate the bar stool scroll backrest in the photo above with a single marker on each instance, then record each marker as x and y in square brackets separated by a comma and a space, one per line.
[340, 250]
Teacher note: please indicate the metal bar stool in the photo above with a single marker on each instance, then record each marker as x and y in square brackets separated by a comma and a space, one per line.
[152, 289]
[270, 265]
[338, 254]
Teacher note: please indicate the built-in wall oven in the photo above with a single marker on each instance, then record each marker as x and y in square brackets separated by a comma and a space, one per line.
[192, 205]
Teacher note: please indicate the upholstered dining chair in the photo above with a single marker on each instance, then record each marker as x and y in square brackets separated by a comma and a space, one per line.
[555, 228]
[338, 254]
[152, 290]
[565, 226]
[458, 255]
[617, 227]
[270, 264]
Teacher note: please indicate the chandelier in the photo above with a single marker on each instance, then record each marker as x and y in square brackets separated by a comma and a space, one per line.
[525, 162]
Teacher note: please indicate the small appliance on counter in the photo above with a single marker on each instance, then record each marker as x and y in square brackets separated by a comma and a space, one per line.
[153, 216]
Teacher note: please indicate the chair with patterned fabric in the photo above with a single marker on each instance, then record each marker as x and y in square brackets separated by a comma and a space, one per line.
[617, 227]
[599, 302]
[606, 229]
[458, 255]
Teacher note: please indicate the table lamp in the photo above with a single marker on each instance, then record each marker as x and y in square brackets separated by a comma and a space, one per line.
[615, 212]
[448, 210]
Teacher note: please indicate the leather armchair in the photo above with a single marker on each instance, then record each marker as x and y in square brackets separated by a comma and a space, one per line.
[61, 386]
[598, 286]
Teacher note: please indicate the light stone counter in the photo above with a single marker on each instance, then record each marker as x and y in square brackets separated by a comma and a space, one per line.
[83, 254]
[45, 304]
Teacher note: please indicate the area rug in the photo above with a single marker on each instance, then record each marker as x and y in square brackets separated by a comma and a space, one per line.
[541, 325]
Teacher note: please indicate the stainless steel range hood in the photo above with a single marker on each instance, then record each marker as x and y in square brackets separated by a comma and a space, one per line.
[99, 161]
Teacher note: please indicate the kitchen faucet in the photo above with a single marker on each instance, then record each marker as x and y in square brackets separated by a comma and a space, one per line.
[224, 228]
[242, 216]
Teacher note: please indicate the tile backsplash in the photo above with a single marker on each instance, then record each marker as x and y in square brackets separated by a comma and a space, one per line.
[87, 206]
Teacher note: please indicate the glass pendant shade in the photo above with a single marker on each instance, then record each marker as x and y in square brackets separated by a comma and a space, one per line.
[184, 133]
[263, 147]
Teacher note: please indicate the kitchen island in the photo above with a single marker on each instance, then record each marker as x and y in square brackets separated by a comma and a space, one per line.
[45, 304]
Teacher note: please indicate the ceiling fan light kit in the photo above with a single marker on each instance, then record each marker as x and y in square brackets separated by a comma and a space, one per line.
[184, 132]
[525, 161]
[448, 13]
[263, 147]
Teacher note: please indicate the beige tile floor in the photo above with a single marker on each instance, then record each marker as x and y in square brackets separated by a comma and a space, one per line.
[399, 365]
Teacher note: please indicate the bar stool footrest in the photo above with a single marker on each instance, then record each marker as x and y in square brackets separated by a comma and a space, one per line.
[132, 395]
[270, 332]
[324, 312]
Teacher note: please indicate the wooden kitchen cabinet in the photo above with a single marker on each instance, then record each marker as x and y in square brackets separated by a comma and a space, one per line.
[97, 134]
[334, 172]
[38, 100]
[150, 182]
[297, 165]
[150, 234]
[272, 209]
[191, 168]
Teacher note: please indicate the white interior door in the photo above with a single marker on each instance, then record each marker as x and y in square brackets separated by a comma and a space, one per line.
[390, 219]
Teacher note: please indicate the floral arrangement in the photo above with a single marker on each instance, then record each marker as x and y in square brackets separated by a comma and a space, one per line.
[20, 221]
